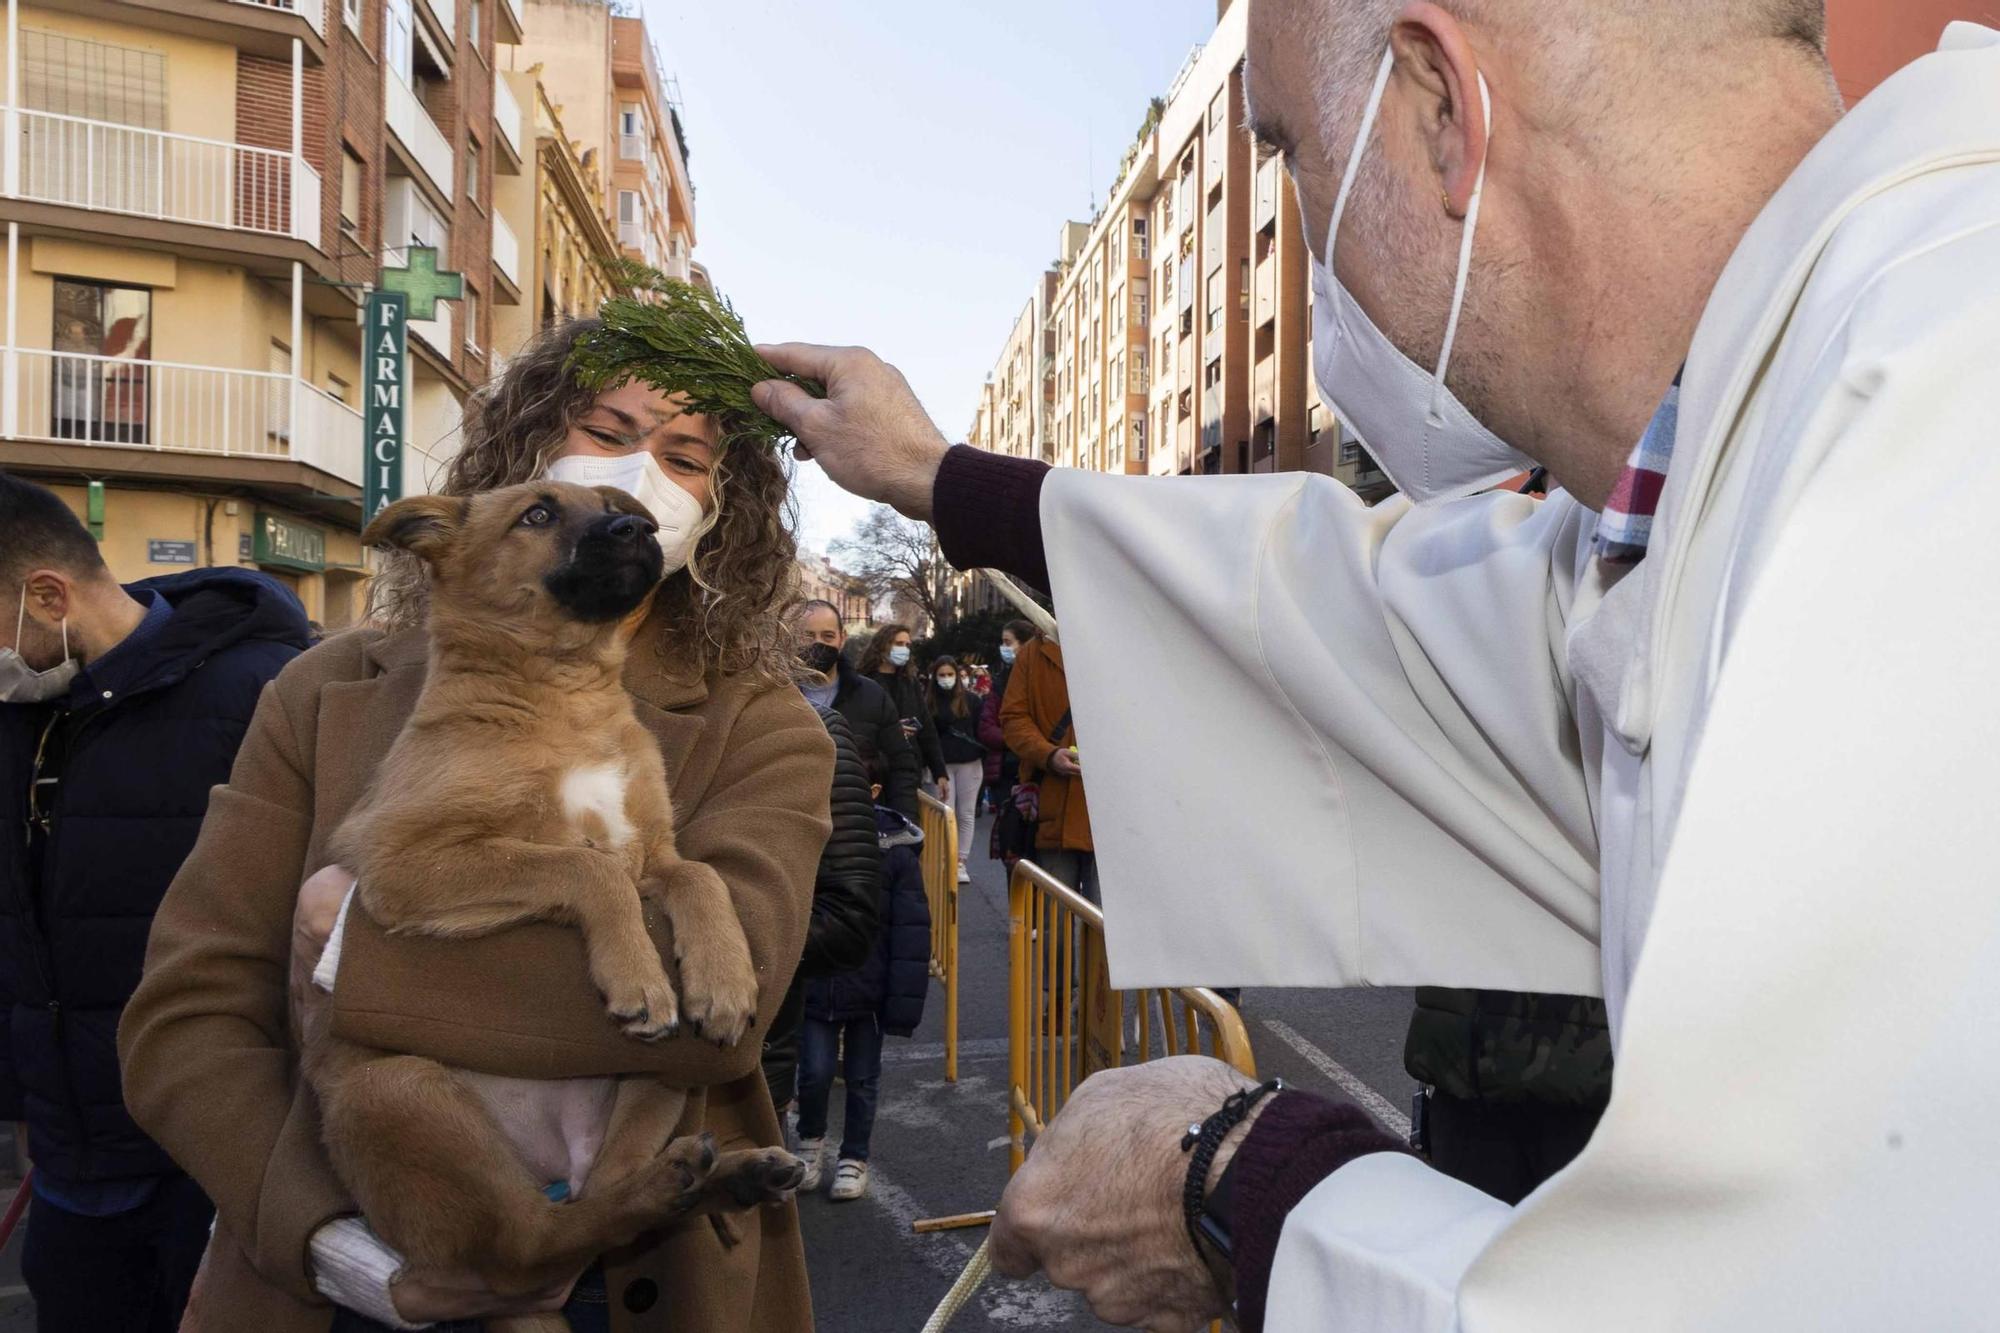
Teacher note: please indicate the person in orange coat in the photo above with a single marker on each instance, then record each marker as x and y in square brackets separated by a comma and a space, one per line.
[1035, 720]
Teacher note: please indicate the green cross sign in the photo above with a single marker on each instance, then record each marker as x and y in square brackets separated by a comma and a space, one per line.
[422, 282]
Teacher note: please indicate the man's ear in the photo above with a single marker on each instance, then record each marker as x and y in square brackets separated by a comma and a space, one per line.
[50, 596]
[424, 525]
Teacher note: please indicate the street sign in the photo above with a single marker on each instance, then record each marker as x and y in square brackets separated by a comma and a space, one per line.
[159, 552]
[384, 364]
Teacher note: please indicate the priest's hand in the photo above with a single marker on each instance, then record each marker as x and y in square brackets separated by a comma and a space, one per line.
[869, 432]
[1098, 1203]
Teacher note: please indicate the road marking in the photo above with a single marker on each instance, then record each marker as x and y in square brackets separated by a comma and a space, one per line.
[1000, 1142]
[1371, 1101]
[1029, 1304]
[979, 1049]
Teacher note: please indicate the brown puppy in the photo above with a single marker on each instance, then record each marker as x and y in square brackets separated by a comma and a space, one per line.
[523, 788]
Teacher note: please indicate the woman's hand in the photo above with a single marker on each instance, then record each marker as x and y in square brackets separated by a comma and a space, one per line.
[1065, 764]
[944, 790]
[430, 1298]
[318, 908]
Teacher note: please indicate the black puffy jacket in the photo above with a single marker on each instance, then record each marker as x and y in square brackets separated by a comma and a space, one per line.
[878, 734]
[894, 981]
[146, 730]
[908, 696]
[846, 906]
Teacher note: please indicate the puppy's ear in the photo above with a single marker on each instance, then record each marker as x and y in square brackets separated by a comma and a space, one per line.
[424, 525]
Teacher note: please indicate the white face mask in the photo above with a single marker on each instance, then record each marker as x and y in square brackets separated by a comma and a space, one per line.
[638, 474]
[899, 656]
[947, 682]
[1410, 423]
[21, 683]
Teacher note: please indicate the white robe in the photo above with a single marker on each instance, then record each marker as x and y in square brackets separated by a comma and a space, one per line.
[1392, 745]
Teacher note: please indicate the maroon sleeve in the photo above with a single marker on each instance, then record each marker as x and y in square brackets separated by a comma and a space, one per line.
[987, 509]
[1296, 1143]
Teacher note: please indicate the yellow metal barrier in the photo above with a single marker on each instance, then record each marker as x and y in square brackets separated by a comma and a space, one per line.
[940, 862]
[1065, 1022]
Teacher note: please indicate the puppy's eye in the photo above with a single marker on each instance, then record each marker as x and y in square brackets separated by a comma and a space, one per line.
[537, 516]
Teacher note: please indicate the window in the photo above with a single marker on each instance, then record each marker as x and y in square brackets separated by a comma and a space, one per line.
[399, 40]
[102, 338]
[1139, 250]
[1141, 307]
[351, 11]
[471, 304]
[336, 388]
[1244, 275]
[472, 170]
[1214, 303]
[1138, 384]
[1139, 420]
[631, 133]
[1217, 109]
[93, 81]
[350, 189]
[472, 24]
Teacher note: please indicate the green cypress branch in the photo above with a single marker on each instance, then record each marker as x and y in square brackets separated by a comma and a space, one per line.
[684, 341]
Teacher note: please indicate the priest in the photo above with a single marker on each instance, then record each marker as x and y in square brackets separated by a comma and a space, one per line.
[1710, 731]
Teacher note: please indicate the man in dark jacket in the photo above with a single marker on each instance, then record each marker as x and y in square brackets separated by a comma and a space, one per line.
[871, 714]
[845, 906]
[119, 709]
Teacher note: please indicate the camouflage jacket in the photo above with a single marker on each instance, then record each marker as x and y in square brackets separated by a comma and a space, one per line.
[1497, 1046]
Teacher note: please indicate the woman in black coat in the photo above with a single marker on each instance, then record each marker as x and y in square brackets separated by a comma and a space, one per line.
[886, 661]
[854, 1010]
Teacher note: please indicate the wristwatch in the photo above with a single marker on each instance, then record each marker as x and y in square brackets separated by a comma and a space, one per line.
[1216, 1223]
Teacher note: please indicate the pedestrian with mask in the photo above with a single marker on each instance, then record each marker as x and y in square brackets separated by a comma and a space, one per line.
[829, 680]
[120, 708]
[954, 713]
[886, 661]
[1001, 764]
[1039, 724]
[1525, 745]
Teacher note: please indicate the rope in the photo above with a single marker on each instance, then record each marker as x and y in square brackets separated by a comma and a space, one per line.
[976, 1269]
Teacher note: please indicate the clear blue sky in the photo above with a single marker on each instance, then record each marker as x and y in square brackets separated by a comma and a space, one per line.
[893, 173]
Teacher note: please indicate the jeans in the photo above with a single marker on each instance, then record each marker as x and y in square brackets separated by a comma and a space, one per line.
[1076, 869]
[965, 781]
[129, 1271]
[863, 1070]
[588, 1311]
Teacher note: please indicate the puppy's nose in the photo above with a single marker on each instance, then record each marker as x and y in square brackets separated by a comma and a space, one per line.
[631, 528]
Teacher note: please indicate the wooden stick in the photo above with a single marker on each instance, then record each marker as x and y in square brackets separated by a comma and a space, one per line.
[927, 1224]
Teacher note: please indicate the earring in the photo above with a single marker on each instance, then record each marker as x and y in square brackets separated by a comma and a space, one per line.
[1445, 195]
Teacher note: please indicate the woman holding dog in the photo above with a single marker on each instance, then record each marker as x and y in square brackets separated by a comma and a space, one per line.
[210, 1041]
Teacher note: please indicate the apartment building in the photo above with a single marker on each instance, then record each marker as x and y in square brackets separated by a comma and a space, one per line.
[604, 77]
[820, 579]
[195, 194]
[572, 252]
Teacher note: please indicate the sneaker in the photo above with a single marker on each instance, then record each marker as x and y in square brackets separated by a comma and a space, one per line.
[850, 1180]
[964, 875]
[813, 1153]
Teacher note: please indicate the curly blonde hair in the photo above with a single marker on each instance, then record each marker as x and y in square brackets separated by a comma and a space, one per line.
[728, 615]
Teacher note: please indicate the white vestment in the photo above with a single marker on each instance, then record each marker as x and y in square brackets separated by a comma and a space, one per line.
[1396, 745]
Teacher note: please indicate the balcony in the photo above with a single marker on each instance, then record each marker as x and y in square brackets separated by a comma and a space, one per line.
[446, 14]
[506, 119]
[510, 10]
[116, 403]
[506, 251]
[632, 235]
[418, 134]
[106, 168]
[312, 11]
[632, 147]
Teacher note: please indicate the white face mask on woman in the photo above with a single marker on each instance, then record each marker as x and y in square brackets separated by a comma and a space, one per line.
[1431, 446]
[899, 655]
[947, 682]
[678, 514]
[21, 683]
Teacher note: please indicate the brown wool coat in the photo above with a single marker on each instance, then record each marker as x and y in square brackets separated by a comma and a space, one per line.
[209, 1067]
[1037, 698]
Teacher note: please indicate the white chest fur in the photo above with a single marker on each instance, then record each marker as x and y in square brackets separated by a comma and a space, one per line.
[593, 798]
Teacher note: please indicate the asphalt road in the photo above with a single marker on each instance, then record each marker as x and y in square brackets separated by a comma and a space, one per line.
[941, 1148]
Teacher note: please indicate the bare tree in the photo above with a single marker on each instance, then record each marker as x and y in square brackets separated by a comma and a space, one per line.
[893, 557]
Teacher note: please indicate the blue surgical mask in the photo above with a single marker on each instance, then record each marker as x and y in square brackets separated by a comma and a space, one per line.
[899, 656]
[1007, 654]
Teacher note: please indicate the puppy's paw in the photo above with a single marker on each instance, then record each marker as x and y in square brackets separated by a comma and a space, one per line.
[643, 1007]
[721, 1009]
[679, 1179]
[757, 1177]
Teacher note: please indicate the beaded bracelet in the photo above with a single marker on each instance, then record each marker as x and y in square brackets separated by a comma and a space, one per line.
[1204, 1140]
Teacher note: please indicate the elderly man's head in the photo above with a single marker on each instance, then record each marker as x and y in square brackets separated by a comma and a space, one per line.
[1630, 143]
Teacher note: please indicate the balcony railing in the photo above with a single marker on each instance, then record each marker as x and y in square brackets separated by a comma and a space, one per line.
[413, 125]
[506, 250]
[76, 398]
[110, 168]
[632, 147]
[632, 235]
[312, 11]
[506, 113]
